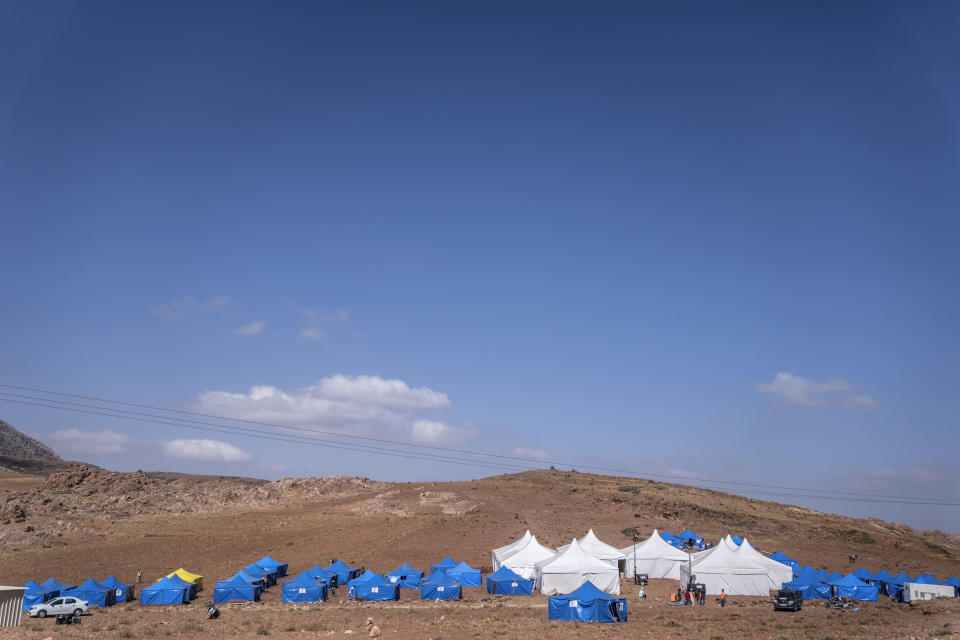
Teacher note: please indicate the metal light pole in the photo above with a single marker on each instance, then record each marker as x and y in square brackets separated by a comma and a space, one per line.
[636, 578]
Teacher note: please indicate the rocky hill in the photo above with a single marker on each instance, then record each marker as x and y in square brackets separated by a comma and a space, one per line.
[15, 444]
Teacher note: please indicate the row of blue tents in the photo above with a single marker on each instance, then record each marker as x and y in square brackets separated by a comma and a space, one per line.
[249, 583]
[99, 594]
[861, 584]
[685, 537]
[587, 603]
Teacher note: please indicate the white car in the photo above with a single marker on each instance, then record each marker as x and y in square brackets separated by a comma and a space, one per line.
[57, 606]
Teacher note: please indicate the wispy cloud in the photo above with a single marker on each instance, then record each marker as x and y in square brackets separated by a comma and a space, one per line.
[251, 329]
[92, 443]
[183, 306]
[358, 405]
[318, 323]
[835, 392]
[525, 452]
[205, 450]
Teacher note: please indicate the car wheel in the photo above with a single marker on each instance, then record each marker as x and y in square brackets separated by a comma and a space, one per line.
[77, 613]
[42, 613]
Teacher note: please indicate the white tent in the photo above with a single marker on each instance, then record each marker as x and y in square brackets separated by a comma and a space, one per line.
[655, 557]
[599, 550]
[572, 567]
[777, 572]
[724, 568]
[523, 561]
[498, 554]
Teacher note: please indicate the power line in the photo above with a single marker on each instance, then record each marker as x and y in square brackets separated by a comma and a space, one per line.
[493, 460]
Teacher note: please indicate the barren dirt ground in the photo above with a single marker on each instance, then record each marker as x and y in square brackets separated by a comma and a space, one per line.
[87, 528]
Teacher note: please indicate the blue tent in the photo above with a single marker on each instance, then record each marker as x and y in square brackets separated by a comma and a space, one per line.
[93, 593]
[268, 563]
[439, 586]
[376, 588]
[35, 593]
[269, 576]
[466, 575]
[165, 591]
[345, 573]
[505, 581]
[122, 591]
[405, 576]
[737, 540]
[443, 565]
[191, 587]
[954, 581]
[902, 578]
[52, 583]
[319, 573]
[864, 575]
[236, 588]
[853, 587]
[926, 578]
[690, 535]
[367, 575]
[883, 576]
[587, 604]
[783, 558]
[304, 588]
[805, 574]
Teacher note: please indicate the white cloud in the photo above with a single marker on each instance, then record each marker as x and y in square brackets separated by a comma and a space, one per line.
[356, 405]
[182, 306]
[205, 450]
[251, 329]
[93, 443]
[835, 392]
[536, 454]
[318, 323]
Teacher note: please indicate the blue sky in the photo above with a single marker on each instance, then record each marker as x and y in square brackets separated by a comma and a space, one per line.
[702, 240]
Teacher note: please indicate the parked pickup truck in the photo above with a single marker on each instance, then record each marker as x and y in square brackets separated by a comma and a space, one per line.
[787, 600]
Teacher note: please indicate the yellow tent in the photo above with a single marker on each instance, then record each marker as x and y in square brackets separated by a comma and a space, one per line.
[188, 577]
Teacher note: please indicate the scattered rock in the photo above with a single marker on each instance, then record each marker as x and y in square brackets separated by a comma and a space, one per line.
[369, 621]
[375, 632]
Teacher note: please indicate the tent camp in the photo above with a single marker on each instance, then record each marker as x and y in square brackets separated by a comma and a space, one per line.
[587, 604]
[853, 587]
[269, 577]
[498, 554]
[122, 592]
[187, 576]
[439, 586]
[654, 557]
[270, 564]
[599, 550]
[93, 593]
[466, 575]
[443, 565]
[376, 588]
[523, 560]
[506, 582]
[573, 567]
[236, 589]
[304, 588]
[345, 573]
[319, 573]
[35, 593]
[405, 576]
[737, 573]
[165, 591]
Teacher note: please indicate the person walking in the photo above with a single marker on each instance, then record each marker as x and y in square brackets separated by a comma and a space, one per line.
[723, 598]
[139, 576]
[686, 597]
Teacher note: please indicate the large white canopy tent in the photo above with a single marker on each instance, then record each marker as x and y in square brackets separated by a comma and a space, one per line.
[523, 560]
[572, 567]
[724, 568]
[777, 572]
[498, 554]
[599, 550]
[655, 557]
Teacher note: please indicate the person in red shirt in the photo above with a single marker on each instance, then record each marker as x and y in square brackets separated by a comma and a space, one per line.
[723, 597]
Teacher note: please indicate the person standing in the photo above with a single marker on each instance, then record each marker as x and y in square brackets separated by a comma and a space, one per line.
[686, 597]
[139, 576]
[723, 598]
[641, 595]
